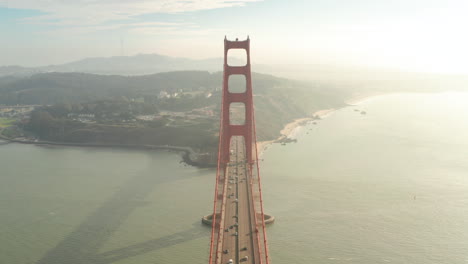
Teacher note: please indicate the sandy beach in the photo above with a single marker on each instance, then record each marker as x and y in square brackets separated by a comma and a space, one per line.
[324, 113]
[289, 129]
[285, 132]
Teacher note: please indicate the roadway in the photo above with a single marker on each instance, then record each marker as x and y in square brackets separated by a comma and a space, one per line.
[239, 240]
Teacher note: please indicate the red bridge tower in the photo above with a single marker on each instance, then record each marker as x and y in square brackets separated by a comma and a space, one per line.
[238, 226]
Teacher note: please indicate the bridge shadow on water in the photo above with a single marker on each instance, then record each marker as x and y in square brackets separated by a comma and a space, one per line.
[82, 246]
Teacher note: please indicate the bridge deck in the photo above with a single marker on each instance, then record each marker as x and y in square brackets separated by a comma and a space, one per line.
[238, 225]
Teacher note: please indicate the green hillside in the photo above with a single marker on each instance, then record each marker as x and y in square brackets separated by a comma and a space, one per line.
[174, 108]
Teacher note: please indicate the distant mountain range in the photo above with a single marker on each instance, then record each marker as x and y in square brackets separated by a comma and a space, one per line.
[148, 64]
[142, 64]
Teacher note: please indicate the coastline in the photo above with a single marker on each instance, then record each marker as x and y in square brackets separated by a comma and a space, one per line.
[286, 132]
[190, 157]
[289, 129]
[360, 98]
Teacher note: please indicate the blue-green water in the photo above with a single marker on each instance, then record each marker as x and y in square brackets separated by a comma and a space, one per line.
[390, 186]
[90, 206]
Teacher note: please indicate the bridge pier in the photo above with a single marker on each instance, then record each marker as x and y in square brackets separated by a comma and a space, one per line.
[208, 219]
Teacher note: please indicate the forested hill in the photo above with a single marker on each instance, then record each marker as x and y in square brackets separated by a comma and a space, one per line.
[53, 88]
[174, 108]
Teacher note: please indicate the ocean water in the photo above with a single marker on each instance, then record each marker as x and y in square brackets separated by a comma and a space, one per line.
[97, 206]
[390, 186]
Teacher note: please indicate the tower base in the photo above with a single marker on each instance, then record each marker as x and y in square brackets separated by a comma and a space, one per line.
[208, 219]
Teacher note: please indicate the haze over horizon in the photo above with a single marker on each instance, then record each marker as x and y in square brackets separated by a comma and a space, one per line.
[417, 36]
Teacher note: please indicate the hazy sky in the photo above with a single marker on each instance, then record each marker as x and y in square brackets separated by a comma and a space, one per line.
[416, 35]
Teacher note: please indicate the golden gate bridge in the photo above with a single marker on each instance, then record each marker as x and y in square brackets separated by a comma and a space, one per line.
[238, 220]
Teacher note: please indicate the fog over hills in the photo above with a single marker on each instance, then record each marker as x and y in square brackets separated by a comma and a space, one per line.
[383, 80]
[145, 64]
[141, 64]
